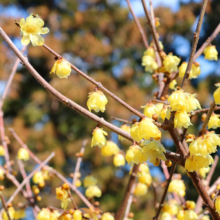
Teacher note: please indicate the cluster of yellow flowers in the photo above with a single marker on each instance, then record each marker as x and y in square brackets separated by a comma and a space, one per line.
[214, 121]
[148, 60]
[194, 72]
[92, 190]
[177, 186]
[200, 149]
[183, 103]
[63, 194]
[171, 63]
[14, 214]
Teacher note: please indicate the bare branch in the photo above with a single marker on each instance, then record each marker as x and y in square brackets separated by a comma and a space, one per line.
[5, 206]
[122, 120]
[195, 42]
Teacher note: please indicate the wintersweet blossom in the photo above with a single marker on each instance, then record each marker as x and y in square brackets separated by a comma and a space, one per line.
[143, 168]
[38, 177]
[171, 63]
[154, 151]
[126, 128]
[196, 162]
[211, 53]
[31, 29]
[134, 154]
[134, 132]
[145, 178]
[149, 109]
[89, 181]
[110, 149]
[61, 68]
[107, 216]
[97, 101]
[194, 72]
[149, 63]
[77, 215]
[119, 160]
[217, 205]
[170, 208]
[166, 216]
[47, 214]
[178, 187]
[165, 113]
[205, 144]
[203, 172]
[214, 121]
[216, 94]
[98, 138]
[150, 52]
[181, 119]
[11, 212]
[190, 204]
[190, 215]
[23, 154]
[93, 191]
[63, 195]
[140, 189]
[181, 215]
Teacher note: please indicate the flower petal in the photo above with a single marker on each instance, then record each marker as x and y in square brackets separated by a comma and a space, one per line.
[44, 30]
[40, 22]
[40, 40]
[22, 22]
[34, 39]
[25, 40]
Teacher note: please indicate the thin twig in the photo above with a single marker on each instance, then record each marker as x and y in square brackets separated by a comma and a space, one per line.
[195, 42]
[122, 120]
[204, 110]
[5, 207]
[79, 160]
[72, 200]
[143, 35]
[29, 177]
[208, 116]
[124, 201]
[208, 41]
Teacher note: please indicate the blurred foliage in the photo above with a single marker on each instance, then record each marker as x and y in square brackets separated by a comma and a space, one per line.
[101, 38]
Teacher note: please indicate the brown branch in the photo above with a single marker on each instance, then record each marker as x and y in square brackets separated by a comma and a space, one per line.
[5, 206]
[204, 110]
[143, 35]
[79, 160]
[195, 42]
[122, 120]
[130, 184]
[208, 41]
[29, 177]
[208, 116]
[165, 191]
[153, 30]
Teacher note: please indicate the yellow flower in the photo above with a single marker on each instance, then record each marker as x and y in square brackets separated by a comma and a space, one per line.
[126, 128]
[211, 53]
[145, 178]
[181, 119]
[110, 149]
[205, 217]
[19, 214]
[216, 94]
[107, 216]
[181, 215]
[97, 101]
[31, 29]
[148, 130]
[23, 154]
[78, 183]
[11, 212]
[165, 113]
[205, 144]
[61, 193]
[190, 215]
[2, 174]
[203, 171]
[77, 215]
[67, 217]
[214, 121]
[217, 205]
[182, 101]
[2, 150]
[62, 68]
[149, 109]
[134, 132]
[149, 63]
[190, 204]
[98, 138]
[154, 151]
[150, 52]
[143, 168]
[196, 162]
[134, 155]
[140, 189]
[166, 216]
[170, 208]
[178, 187]
[171, 63]
[119, 160]
[38, 177]
[173, 84]
[93, 191]
[89, 181]
[194, 72]
[46, 214]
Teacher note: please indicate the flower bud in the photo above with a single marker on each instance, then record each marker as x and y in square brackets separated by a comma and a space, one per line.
[61, 68]
[98, 138]
[97, 101]
[145, 178]
[38, 177]
[93, 191]
[110, 149]
[168, 163]
[23, 154]
[190, 204]
[140, 189]
[119, 160]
